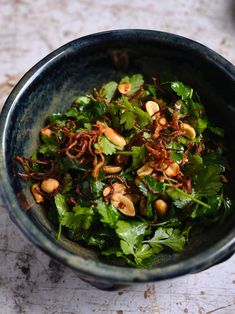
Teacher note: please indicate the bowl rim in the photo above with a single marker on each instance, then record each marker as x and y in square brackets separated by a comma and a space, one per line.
[92, 268]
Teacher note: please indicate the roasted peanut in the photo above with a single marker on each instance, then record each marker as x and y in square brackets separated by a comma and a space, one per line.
[112, 169]
[124, 88]
[161, 207]
[171, 170]
[152, 108]
[190, 133]
[162, 121]
[135, 198]
[114, 137]
[137, 181]
[115, 188]
[145, 170]
[35, 189]
[46, 132]
[123, 204]
[49, 185]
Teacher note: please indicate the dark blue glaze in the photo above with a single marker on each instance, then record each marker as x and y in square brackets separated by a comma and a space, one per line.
[75, 69]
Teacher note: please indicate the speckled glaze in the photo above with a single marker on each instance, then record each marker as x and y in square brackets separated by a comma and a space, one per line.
[75, 69]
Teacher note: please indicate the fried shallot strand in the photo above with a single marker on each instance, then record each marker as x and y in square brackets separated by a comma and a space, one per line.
[27, 164]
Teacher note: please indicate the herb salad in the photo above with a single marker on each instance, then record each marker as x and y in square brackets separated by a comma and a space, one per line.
[130, 169]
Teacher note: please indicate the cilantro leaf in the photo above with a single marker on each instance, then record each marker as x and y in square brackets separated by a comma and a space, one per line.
[105, 146]
[136, 81]
[108, 90]
[67, 183]
[206, 181]
[109, 213]
[48, 149]
[80, 218]
[61, 205]
[89, 109]
[97, 187]
[144, 255]
[73, 113]
[128, 119]
[176, 151]
[131, 112]
[143, 117]
[216, 130]
[82, 101]
[185, 92]
[169, 237]
[201, 125]
[137, 153]
[130, 233]
[62, 209]
[180, 200]
[152, 90]
[154, 185]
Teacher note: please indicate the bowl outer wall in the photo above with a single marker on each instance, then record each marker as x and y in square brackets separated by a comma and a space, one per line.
[92, 268]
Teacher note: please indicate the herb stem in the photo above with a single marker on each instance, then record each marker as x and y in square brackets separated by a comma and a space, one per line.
[59, 231]
[193, 198]
[124, 153]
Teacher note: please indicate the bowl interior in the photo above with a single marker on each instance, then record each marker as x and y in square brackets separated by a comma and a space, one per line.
[77, 68]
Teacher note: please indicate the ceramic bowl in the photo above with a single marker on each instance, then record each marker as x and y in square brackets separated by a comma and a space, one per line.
[78, 67]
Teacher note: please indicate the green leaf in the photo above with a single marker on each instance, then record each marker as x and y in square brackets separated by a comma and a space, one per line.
[80, 218]
[108, 90]
[201, 125]
[180, 200]
[105, 146]
[61, 205]
[144, 255]
[152, 90]
[73, 113]
[170, 223]
[206, 181]
[154, 185]
[146, 135]
[130, 234]
[216, 130]
[109, 213]
[67, 183]
[54, 117]
[48, 149]
[138, 153]
[176, 151]
[89, 109]
[71, 164]
[82, 101]
[169, 237]
[62, 209]
[97, 187]
[143, 117]
[128, 119]
[185, 92]
[182, 197]
[136, 82]
[132, 113]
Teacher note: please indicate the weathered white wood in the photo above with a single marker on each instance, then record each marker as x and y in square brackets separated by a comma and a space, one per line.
[29, 281]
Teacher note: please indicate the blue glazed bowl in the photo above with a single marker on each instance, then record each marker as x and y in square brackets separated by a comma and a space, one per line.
[78, 67]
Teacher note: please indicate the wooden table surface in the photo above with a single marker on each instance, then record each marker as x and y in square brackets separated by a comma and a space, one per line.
[30, 282]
